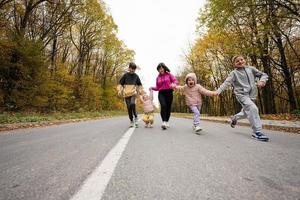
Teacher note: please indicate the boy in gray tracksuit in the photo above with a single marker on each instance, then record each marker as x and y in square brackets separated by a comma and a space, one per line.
[242, 78]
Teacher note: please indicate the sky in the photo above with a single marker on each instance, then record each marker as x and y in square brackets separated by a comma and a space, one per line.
[157, 30]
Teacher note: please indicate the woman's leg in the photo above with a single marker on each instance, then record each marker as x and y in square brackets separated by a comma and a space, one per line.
[163, 105]
[169, 100]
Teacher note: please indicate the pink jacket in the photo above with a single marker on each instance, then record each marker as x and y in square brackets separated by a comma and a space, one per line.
[193, 94]
[148, 104]
[164, 81]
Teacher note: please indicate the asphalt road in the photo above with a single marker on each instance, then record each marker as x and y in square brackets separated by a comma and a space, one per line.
[221, 163]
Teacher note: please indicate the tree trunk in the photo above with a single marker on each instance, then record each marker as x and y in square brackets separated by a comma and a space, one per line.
[283, 61]
[53, 54]
[268, 103]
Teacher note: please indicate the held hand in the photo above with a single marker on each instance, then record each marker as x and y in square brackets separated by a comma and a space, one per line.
[173, 85]
[120, 94]
[260, 84]
[150, 89]
[215, 93]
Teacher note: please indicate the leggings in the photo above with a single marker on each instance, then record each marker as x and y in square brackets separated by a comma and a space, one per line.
[130, 103]
[165, 98]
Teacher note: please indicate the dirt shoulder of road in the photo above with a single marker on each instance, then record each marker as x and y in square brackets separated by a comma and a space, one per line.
[11, 121]
[8, 127]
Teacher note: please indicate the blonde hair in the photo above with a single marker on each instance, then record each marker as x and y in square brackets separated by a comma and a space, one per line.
[235, 57]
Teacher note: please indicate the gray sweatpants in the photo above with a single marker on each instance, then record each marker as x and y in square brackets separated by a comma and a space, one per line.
[250, 111]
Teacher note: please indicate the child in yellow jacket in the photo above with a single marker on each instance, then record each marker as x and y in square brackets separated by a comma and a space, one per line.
[129, 86]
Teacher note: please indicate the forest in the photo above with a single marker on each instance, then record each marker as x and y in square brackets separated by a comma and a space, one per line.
[59, 55]
[266, 33]
[64, 55]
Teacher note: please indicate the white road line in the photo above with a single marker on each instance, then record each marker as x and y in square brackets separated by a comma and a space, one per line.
[94, 186]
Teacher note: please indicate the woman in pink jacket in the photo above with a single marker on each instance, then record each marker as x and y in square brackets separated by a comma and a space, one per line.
[165, 83]
[192, 92]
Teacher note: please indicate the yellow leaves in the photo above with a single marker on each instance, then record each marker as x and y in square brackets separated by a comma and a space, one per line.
[95, 10]
[19, 8]
[40, 101]
[81, 34]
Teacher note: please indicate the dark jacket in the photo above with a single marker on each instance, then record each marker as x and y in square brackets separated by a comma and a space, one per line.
[130, 85]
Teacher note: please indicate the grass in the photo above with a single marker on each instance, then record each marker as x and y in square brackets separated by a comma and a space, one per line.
[21, 117]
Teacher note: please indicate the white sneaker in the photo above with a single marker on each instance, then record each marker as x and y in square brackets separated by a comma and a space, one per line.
[197, 129]
[136, 122]
[146, 125]
[167, 125]
[150, 126]
[131, 124]
[163, 126]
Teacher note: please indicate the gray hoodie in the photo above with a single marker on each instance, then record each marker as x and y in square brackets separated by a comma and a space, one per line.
[243, 81]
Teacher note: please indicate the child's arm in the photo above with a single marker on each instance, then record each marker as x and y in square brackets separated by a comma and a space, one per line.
[154, 88]
[139, 88]
[151, 95]
[120, 86]
[174, 81]
[179, 87]
[263, 77]
[206, 92]
[229, 80]
[141, 98]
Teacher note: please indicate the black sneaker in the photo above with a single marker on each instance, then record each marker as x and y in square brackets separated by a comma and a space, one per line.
[260, 136]
[233, 121]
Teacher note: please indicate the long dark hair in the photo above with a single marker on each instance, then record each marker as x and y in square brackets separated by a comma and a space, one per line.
[162, 65]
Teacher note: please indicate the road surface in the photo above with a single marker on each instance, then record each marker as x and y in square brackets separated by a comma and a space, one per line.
[104, 159]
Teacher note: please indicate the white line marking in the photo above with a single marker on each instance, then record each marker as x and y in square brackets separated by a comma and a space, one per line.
[94, 186]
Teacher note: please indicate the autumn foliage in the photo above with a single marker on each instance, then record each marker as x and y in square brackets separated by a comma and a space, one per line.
[266, 33]
[59, 56]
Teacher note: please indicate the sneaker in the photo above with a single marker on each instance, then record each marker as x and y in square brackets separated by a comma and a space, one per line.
[233, 121]
[260, 136]
[197, 129]
[163, 126]
[136, 122]
[146, 125]
[150, 126]
[167, 125]
[131, 124]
